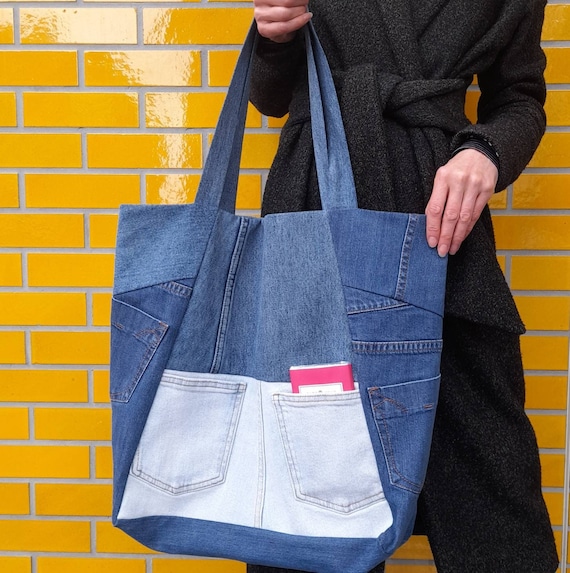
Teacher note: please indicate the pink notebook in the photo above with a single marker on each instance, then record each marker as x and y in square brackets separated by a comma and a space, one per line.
[322, 378]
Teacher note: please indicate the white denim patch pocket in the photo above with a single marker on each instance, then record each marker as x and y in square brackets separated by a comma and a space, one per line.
[189, 434]
[328, 449]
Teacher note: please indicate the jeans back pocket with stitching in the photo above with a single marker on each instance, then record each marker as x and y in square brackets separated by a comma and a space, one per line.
[328, 449]
[135, 337]
[189, 434]
[404, 415]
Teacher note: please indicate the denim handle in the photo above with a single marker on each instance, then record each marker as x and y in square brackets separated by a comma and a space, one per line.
[218, 185]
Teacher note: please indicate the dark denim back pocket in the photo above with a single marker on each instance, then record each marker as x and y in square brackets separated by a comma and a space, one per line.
[135, 336]
[404, 415]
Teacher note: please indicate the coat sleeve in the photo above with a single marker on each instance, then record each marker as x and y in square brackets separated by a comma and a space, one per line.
[511, 115]
[275, 70]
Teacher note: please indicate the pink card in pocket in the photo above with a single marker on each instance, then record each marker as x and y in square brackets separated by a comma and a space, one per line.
[322, 378]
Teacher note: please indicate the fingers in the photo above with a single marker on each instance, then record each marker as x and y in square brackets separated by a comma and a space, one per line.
[278, 20]
[461, 190]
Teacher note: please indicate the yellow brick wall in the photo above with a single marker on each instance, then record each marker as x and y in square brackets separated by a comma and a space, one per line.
[110, 102]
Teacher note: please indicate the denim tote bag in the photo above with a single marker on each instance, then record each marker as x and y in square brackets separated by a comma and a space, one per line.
[213, 453]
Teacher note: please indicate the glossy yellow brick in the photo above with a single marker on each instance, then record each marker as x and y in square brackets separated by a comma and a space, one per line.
[151, 151]
[73, 270]
[14, 500]
[10, 269]
[38, 68]
[70, 348]
[556, 22]
[113, 540]
[8, 188]
[45, 309]
[249, 192]
[546, 392]
[41, 230]
[72, 423]
[555, 505]
[259, 150]
[171, 189]
[557, 70]
[78, 26]
[540, 273]
[51, 536]
[8, 109]
[417, 547]
[89, 565]
[101, 386]
[12, 348]
[542, 191]
[102, 231]
[532, 232]
[190, 110]
[196, 25]
[14, 424]
[101, 310]
[501, 259]
[43, 386]
[557, 106]
[103, 462]
[80, 109]
[80, 191]
[498, 201]
[6, 26]
[73, 499]
[471, 100]
[545, 352]
[16, 564]
[550, 430]
[44, 462]
[221, 65]
[196, 566]
[176, 189]
[143, 68]
[277, 122]
[40, 150]
[553, 151]
[544, 313]
[552, 470]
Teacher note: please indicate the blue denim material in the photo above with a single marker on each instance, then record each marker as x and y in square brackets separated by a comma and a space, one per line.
[213, 455]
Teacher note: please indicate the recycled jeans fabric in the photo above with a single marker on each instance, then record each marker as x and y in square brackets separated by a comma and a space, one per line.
[213, 454]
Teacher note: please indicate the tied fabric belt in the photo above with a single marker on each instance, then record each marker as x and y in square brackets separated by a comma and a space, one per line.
[410, 102]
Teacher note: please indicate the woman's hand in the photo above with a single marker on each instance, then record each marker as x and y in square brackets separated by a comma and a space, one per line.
[461, 189]
[278, 20]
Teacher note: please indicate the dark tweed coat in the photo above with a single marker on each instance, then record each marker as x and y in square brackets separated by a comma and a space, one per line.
[402, 68]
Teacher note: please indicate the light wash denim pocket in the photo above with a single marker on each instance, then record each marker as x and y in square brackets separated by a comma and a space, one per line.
[328, 449]
[135, 336]
[404, 415]
[188, 438]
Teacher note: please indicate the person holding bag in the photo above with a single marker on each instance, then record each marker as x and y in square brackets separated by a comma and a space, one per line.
[401, 69]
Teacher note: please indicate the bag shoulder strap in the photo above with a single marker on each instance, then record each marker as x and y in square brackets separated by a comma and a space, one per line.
[218, 185]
